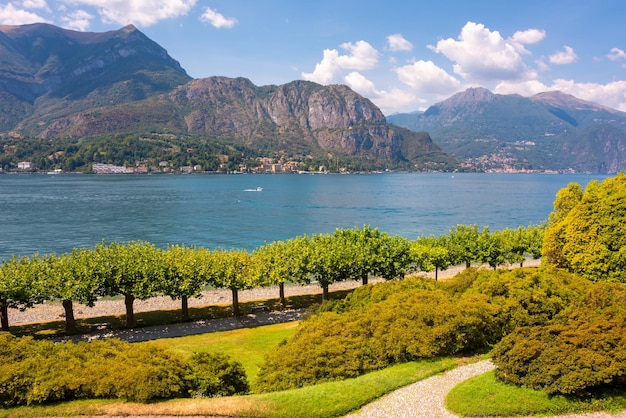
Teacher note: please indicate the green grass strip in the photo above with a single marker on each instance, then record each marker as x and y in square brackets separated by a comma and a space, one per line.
[333, 399]
[485, 395]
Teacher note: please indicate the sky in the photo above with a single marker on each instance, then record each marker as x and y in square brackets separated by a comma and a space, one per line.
[402, 55]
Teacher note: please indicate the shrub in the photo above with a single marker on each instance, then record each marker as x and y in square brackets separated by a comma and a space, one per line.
[216, 375]
[376, 328]
[581, 350]
[36, 372]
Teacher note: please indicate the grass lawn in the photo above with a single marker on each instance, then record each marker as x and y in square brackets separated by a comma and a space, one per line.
[247, 346]
[484, 395]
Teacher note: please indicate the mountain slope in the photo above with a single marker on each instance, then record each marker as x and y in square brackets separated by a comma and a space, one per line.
[295, 120]
[47, 72]
[548, 131]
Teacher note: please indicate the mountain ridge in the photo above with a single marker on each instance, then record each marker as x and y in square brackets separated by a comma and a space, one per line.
[60, 84]
[549, 131]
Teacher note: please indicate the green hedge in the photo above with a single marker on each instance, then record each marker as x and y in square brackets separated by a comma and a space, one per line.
[37, 372]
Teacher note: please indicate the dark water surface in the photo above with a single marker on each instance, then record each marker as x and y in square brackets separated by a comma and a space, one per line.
[55, 213]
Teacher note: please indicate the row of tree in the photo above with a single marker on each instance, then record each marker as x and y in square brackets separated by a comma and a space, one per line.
[139, 270]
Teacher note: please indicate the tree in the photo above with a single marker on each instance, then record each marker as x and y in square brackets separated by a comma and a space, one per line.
[133, 270]
[554, 239]
[463, 244]
[232, 269]
[185, 274]
[392, 256]
[431, 253]
[364, 245]
[331, 260]
[282, 261]
[74, 277]
[493, 250]
[21, 285]
[590, 238]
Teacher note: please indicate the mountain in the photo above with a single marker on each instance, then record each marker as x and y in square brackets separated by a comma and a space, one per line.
[544, 132]
[57, 84]
[47, 72]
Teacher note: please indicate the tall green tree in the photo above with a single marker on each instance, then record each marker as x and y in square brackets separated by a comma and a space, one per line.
[493, 248]
[74, 277]
[554, 238]
[590, 240]
[185, 274]
[431, 253]
[330, 261]
[364, 245]
[21, 285]
[391, 255]
[283, 261]
[133, 270]
[463, 244]
[234, 270]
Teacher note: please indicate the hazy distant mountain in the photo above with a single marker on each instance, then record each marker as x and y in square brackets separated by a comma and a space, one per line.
[56, 83]
[548, 131]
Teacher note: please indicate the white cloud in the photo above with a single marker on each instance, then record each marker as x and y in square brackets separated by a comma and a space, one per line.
[397, 42]
[139, 12]
[386, 101]
[35, 4]
[530, 36]
[568, 56]
[611, 94]
[523, 88]
[361, 56]
[617, 55]
[216, 19]
[426, 77]
[480, 54]
[11, 15]
[78, 20]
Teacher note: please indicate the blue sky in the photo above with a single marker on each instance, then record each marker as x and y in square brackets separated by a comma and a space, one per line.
[404, 56]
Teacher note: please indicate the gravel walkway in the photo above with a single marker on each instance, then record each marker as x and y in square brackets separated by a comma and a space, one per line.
[426, 398]
[423, 399]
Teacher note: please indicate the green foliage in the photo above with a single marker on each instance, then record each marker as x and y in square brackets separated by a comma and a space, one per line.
[582, 349]
[417, 318]
[587, 232]
[525, 296]
[378, 326]
[37, 372]
[216, 375]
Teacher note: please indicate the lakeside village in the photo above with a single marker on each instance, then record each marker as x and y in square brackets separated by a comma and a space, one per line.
[264, 165]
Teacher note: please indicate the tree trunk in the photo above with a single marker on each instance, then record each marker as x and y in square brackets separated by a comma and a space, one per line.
[436, 273]
[130, 313]
[468, 264]
[364, 278]
[184, 308]
[325, 295]
[4, 315]
[236, 302]
[70, 322]
[281, 291]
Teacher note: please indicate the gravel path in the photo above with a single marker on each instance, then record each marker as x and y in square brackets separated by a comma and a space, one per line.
[426, 398]
[423, 399]
[54, 311]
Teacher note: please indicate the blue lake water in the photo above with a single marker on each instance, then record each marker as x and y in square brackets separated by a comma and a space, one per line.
[55, 213]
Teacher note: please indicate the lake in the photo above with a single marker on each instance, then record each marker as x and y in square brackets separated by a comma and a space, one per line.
[55, 213]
